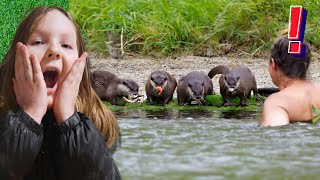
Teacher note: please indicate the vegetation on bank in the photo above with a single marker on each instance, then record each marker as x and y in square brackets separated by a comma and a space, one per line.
[172, 27]
[201, 27]
[215, 102]
[12, 11]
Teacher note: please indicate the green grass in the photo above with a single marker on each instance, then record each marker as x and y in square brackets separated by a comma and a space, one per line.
[214, 103]
[12, 11]
[165, 27]
[171, 28]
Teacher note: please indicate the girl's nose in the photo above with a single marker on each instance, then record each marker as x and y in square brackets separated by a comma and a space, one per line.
[54, 51]
[54, 54]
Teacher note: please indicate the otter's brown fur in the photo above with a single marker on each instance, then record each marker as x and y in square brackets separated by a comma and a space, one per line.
[164, 81]
[240, 81]
[194, 87]
[110, 87]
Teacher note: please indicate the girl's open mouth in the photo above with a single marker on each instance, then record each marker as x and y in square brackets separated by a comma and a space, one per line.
[50, 77]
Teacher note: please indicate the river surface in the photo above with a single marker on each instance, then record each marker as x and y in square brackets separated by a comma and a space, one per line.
[209, 145]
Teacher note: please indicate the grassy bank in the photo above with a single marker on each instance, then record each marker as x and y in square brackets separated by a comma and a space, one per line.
[202, 27]
[214, 103]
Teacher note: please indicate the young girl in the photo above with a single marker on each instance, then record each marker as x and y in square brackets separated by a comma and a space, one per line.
[298, 95]
[52, 124]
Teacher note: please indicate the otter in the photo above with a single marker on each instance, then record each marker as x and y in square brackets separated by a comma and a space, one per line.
[110, 87]
[193, 88]
[160, 87]
[239, 82]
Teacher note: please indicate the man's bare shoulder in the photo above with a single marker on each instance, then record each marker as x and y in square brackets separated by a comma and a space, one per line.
[316, 85]
[275, 99]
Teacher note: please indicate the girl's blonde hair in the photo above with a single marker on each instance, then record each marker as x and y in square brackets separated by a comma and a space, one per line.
[87, 101]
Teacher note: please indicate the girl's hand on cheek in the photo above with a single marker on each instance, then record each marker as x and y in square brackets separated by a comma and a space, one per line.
[29, 85]
[68, 88]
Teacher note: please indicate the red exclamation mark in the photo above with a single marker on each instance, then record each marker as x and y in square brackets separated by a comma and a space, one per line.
[297, 24]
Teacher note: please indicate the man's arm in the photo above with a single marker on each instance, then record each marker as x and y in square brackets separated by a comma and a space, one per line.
[273, 114]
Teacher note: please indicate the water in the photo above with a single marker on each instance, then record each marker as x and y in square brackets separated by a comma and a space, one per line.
[201, 145]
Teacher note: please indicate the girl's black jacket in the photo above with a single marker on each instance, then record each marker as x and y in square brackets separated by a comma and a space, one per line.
[72, 150]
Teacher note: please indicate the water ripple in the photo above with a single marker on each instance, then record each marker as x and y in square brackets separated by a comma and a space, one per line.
[213, 145]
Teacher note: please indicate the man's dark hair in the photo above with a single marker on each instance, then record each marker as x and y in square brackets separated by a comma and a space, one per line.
[292, 66]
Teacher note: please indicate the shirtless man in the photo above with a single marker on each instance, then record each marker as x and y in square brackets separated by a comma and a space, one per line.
[297, 95]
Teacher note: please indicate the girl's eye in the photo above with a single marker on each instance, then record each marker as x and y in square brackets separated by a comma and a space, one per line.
[37, 43]
[66, 46]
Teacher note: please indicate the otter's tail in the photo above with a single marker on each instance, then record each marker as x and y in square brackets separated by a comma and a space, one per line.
[218, 70]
